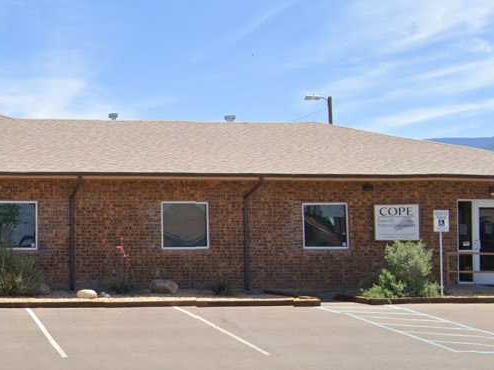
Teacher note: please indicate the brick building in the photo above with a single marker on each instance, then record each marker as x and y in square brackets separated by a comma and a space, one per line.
[258, 205]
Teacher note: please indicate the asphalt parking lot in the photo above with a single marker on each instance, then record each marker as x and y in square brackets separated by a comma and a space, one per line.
[334, 336]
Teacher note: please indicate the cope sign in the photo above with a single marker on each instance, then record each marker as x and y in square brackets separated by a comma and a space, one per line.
[396, 222]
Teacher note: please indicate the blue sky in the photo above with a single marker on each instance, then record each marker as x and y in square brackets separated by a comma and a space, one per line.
[408, 68]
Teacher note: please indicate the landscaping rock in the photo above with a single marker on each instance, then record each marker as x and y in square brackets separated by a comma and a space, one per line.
[87, 294]
[163, 286]
[104, 295]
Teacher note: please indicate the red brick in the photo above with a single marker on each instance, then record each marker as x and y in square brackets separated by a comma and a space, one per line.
[110, 209]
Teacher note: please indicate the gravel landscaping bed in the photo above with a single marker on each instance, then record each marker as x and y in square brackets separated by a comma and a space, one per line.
[147, 295]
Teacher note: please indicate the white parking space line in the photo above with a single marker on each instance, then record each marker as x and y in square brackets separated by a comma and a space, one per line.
[48, 336]
[391, 312]
[490, 333]
[226, 332]
[407, 334]
[408, 322]
[325, 308]
[400, 318]
[424, 326]
[369, 308]
[450, 334]
[467, 343]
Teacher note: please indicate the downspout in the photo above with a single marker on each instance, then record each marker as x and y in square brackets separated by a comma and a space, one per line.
[72, 239]
[247, 235]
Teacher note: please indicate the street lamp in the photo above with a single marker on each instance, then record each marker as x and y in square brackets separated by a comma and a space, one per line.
[328, 99]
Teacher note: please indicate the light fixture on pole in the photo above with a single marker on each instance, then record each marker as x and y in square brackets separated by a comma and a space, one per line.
[329, 101]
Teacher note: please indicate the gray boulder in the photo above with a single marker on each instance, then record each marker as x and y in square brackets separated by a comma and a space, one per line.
[163, 286]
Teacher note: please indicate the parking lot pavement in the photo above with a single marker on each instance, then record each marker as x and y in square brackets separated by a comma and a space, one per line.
[326, 337]
[20, 339]
[334, 336]
[481, 315]
[144, 338]
[437, 331]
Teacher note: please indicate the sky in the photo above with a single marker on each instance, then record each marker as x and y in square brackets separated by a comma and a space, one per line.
[417, 69]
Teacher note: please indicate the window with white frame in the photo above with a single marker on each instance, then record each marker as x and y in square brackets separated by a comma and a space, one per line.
[325, 225]
[18, 224]
[184, 225]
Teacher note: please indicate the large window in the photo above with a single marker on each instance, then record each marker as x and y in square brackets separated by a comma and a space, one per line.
[325, 225]
[184, 225]
[18, 225]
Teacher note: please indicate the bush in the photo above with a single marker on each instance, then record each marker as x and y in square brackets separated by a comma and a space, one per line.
[222, 288]
[431, 290]
[19, 274]
[387, 286]
[119, 285]
[408, 266]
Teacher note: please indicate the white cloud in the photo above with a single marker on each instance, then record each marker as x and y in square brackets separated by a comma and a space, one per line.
[435, 84]
[479, 45]
[401, 24]
[55, 84]
[260, 20]
[366, 31]
[356, 84]
[49, 97]
[421, 115]
[455, 69]
[59, 85]
[379, 72]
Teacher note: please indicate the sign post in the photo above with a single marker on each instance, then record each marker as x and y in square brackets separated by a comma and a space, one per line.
[441, 225]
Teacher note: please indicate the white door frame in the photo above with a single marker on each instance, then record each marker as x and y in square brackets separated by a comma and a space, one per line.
[479, 277]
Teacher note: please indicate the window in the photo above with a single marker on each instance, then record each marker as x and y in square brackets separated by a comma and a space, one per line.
[18, 225]
[325, 225]
[184, 225]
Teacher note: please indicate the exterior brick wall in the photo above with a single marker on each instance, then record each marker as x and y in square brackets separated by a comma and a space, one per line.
[278, 254]
[53, 221]
[108, 210]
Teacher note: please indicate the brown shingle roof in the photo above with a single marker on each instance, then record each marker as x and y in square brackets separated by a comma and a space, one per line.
[147, 147]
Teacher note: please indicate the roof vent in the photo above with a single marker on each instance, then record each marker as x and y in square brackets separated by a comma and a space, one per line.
[113, 116]
[230, 117]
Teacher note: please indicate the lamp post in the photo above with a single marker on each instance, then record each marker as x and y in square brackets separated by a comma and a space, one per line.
[329, 101]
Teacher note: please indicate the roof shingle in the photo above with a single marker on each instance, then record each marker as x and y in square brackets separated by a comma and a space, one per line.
[161, 147]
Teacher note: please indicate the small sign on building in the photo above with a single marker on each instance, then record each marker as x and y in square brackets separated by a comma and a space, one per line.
[441, 221]
[396, 222]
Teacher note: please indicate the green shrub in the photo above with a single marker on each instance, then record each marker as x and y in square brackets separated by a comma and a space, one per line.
[431, 290]
[19, 274]
[387, 286]
[410, 263]
[406, 273]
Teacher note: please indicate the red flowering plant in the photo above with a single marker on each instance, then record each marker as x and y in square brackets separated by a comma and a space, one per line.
[119, 262]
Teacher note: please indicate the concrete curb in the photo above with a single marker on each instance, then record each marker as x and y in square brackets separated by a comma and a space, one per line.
[381, 301]
[149, 302]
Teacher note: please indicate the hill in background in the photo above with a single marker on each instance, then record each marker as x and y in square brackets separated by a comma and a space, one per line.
[476, 142]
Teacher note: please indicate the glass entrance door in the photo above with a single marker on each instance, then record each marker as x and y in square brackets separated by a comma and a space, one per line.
[486, 238]
[465, 241]
[483, 241]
